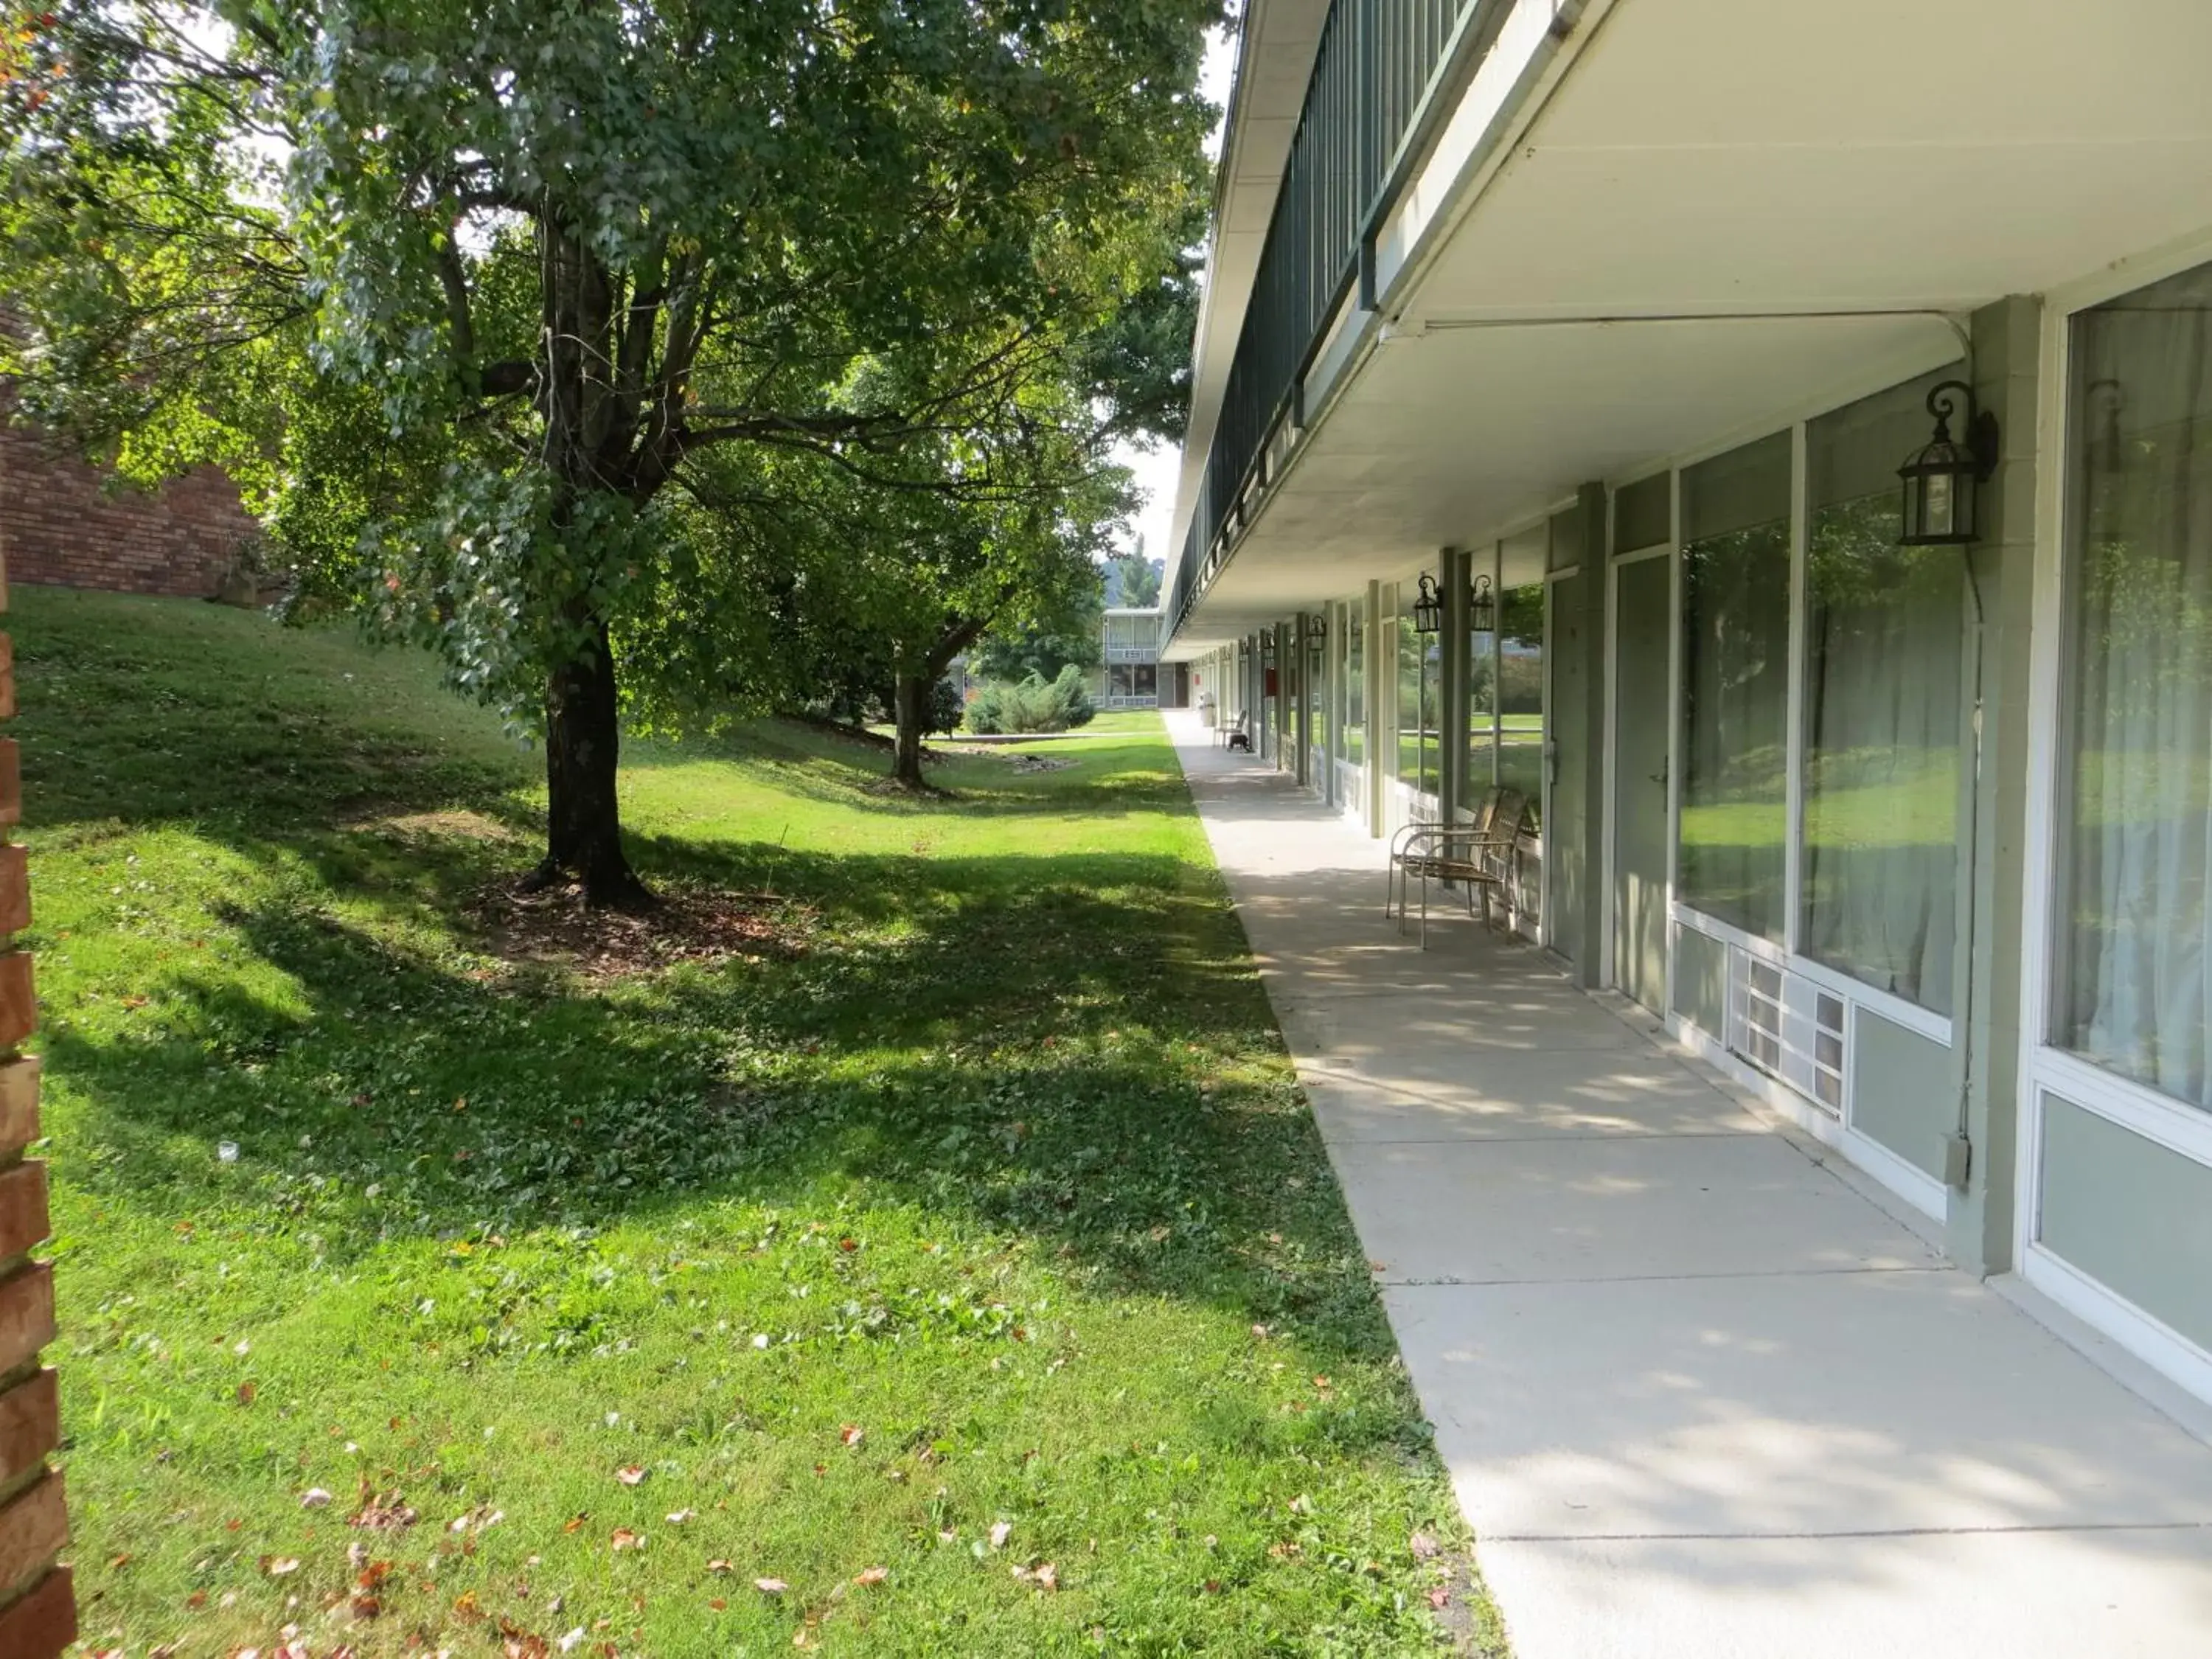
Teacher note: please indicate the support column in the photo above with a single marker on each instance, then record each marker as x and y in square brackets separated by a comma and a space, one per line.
[1382, 702]
[1993, 798]
[1285, 733]
[1302, 730]
[38, 1603]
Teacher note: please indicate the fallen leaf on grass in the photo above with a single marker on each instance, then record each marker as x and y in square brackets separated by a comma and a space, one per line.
[314, 1498]
[277, 1566]
[1424, 1547]
[246, 1392]
[575, 1521]
[623, 1539]
[630, 1474]
[1001, 1531]
[873, 1576]
[383, 1512]
[852, 1434]
[718, 1565]
[678, 1517]
[573, 1640]
[770, 1586]
[1439, 1599]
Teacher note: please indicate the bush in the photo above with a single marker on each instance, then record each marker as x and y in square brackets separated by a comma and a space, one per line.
[1035, 704]
[944, 709]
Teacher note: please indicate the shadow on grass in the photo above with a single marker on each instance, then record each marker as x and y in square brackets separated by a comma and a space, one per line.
[1057, 1049]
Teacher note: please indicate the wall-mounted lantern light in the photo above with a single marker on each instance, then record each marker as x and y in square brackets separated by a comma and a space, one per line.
[1317, 630]
[1428, 609]
[1482, 607]
[1941, 482]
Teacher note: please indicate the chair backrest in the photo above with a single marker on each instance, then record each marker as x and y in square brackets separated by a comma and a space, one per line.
[1505, 830]
[1485, 811]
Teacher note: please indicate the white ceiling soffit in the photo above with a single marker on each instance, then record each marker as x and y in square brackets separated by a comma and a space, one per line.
[1275, 50]
[1788, 194]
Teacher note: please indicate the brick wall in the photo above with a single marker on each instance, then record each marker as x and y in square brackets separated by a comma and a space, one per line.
[38, 1605]
[60, 524]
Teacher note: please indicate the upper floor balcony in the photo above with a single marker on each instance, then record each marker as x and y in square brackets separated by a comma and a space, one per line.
[1379, 70]
[1471, 255]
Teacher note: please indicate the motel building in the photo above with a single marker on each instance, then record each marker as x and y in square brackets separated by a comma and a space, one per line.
[1560, 365]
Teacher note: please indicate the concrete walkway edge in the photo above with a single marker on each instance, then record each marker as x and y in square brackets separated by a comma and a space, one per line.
[1704, 1391]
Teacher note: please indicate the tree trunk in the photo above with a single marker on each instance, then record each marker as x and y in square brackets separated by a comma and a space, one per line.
[910, 703]
[583, 818]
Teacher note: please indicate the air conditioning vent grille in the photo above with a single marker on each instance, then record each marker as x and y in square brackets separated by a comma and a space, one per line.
[1788, 1027]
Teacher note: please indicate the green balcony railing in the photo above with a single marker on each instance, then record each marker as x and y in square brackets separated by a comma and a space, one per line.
[1375, 77]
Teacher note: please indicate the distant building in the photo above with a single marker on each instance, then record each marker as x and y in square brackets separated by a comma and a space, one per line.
[65, 523]
[1129, 674]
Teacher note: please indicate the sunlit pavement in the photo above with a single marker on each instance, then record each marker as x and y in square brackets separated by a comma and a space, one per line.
[1701, 1394]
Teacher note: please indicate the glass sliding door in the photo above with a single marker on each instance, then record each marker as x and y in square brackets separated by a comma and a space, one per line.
[2133, 991]
[1734, 833]
[1884, 690]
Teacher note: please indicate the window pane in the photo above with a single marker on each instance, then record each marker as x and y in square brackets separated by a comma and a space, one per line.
[2133, 995]
[1735, 672]
[1481, 719]
[1885, 652]
[1521, 695]
[1355, 684]
[1413, 647]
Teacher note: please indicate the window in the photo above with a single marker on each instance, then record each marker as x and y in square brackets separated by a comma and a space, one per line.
[1481, 773]
[1885, 653]
[2132, 992]
[1317, 687]
[1520, 697]
[1735, 672]
[1355, 683]
[1419, 661]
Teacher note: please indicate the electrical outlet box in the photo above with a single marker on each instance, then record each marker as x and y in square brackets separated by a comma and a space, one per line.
[1958, 1160]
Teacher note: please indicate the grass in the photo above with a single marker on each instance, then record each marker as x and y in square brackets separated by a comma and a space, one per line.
[982, 1196]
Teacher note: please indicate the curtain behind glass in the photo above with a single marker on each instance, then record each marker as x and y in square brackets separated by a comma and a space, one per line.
[1884, 660]
[1521, 694]
[1736, 675]
[2133, 994]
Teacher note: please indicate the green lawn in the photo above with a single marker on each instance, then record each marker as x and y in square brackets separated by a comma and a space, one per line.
[961, 1185]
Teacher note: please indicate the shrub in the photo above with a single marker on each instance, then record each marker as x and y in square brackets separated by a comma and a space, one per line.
[1035, 704]
[944, 709]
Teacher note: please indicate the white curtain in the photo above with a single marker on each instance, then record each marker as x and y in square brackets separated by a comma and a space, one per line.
[2134, 994]
[1884, 703]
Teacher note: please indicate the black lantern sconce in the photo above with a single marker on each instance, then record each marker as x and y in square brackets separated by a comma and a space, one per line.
[1429, 608]
[1941, 483]
[1317, 628]
[1481, 607]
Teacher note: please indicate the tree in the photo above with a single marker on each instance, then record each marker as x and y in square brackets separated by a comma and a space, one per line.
[1066, 635]
[1140, 578]
[569, 253]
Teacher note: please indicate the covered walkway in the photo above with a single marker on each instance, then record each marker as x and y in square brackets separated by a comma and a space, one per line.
[1704, 1394]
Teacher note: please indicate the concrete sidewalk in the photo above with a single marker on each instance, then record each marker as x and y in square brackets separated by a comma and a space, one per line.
[1702, 1396]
